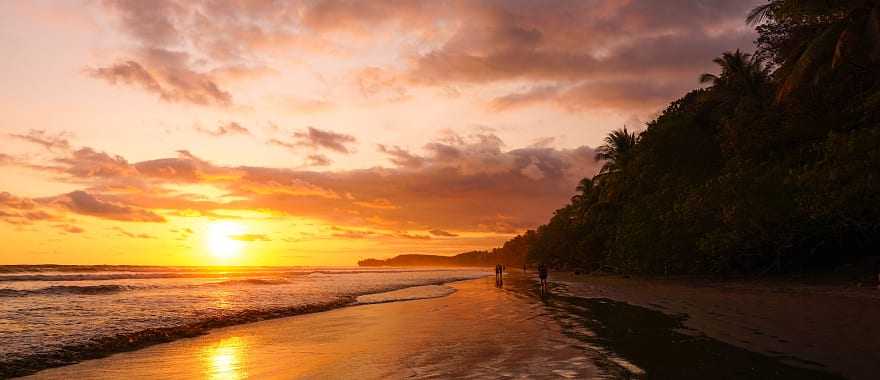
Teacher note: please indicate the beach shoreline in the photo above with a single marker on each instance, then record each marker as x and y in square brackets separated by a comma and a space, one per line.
[588, 327]
[477, 331]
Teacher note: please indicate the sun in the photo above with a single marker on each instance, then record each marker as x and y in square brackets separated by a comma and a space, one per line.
[221, 239]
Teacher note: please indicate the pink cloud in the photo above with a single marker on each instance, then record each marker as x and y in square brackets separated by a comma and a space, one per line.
[45, 139]
[172, 83]
[230, 128]
[315, 138]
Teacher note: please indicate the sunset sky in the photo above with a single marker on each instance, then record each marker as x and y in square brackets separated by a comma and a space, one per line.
[321, 132]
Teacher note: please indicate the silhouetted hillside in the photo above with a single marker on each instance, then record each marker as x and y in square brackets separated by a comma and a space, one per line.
[467, 259]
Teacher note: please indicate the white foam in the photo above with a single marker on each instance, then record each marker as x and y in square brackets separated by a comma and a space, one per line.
[413, 293]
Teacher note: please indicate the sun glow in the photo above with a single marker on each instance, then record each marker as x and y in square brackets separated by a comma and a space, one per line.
[221, 239]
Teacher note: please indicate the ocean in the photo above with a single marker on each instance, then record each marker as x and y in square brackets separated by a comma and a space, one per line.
[56, 315]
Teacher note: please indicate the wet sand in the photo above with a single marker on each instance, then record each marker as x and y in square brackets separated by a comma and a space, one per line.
[479, 331]
[585, 328]
[831, 328]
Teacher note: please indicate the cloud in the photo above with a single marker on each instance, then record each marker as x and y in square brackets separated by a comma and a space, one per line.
[231, 128]
[413, 236]
[152, 23]
[251, 237]
[173, 83]
[534, 95]
[346, 233]
[319, 139]
[8, 200]
[317, 160]
[133, 235]
[70, 228]
[49, 141]
[401, 157]
[463, 183]
[20, 210]
[379, 84]
[442, 233]
[555, 43]
[87, 163]
[616, 94]
[309, 106]
[84, 203]
[186, 168]
[382, 204]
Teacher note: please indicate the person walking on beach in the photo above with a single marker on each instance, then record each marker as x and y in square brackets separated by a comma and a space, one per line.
[498, 275]
[542, 274]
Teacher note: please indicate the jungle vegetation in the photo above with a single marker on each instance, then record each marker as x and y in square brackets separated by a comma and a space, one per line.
[773, 166]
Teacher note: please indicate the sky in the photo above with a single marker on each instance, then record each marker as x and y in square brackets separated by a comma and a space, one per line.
[212, 132]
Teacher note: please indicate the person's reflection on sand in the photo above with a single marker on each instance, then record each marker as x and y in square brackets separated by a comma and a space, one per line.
[499, 275]
[542, 274]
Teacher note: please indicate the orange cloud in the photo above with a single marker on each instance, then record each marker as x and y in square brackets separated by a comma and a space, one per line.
[84, 203]
[462, 183]
[442, 233]
[70, 228]
[251, 237]
[19, 210]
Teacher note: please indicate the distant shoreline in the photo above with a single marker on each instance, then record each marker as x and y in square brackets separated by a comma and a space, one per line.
[467, 259]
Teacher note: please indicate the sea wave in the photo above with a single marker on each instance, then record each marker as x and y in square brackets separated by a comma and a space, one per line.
[102, 346]
[252, 281]
[116, 288]
[407, 294]
[142, 275]
[97, 347]
[64, 290]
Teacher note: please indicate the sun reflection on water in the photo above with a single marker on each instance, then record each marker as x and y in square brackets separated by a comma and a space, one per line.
[224, 360]
[222, 299]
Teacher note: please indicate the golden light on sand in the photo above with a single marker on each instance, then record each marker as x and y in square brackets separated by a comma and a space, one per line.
[221, 239]
[224, 360]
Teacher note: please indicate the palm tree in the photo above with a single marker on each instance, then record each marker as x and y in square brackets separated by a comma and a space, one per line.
[846, 32]
[583, 188]
[617, 149]
[739, 72]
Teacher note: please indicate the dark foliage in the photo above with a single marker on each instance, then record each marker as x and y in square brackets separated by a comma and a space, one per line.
[774, 168]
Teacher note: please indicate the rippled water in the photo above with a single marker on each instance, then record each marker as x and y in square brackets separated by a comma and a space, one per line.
[53, 315]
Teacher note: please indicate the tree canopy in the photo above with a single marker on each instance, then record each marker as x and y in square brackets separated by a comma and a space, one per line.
[774, 167]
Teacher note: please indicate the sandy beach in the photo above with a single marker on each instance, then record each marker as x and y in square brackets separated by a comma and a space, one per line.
[479, 331]
[588, 327]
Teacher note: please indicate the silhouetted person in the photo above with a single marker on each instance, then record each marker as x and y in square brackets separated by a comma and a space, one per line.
[542, 274]
[498, 275]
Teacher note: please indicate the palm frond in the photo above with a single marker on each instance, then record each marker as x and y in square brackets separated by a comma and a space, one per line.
[807, 61]
[708, 78]
[760, 13]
